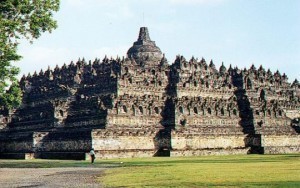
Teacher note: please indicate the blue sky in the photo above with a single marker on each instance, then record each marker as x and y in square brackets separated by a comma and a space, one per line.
[237, 32]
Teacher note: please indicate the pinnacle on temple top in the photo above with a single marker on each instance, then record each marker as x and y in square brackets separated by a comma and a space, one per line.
[144, 35]
[144, 49]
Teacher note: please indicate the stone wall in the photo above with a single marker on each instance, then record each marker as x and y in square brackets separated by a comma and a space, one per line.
[213, 151]
[276, 144]
[142, 105]
[62, 141]
[125, 143]
[16, 142]
[190, 142]
[292, 113]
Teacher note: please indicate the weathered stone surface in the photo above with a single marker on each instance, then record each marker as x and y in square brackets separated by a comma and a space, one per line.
[207, 142]
[214, 151]
[144, 49]
[143, 106]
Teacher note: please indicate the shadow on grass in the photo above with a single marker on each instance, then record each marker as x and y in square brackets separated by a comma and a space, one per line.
[207, 160]
[54, 164]
[268, 184]
[112, 163]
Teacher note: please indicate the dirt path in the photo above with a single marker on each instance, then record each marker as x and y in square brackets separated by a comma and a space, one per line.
[49, 177]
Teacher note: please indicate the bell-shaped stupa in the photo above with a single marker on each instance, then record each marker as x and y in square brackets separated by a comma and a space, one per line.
[144, 49]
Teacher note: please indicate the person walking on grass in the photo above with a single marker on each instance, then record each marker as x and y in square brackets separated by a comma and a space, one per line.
[92, 154]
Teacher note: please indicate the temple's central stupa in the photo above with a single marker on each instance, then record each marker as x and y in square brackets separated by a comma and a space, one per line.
[144, 49]
[142, 106]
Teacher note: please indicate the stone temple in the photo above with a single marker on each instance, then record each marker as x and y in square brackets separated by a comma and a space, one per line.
[142, 106]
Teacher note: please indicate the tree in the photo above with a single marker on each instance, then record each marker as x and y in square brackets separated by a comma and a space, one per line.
[18, 20]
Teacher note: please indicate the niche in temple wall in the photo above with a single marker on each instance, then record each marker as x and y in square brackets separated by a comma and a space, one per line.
[60, 110]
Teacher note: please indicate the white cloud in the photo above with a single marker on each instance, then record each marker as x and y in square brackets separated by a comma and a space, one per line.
[36, 58]
[108, 9]
[120, 12]
[110, 52]
[189, 2]
[75, 2]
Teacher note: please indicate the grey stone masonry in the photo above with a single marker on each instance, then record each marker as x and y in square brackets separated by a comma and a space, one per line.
[141, 106]
[144, 49]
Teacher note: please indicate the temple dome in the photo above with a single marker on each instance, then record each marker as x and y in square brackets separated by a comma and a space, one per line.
[144, 49]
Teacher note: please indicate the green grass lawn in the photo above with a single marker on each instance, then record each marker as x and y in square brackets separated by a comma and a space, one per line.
[205, 171]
